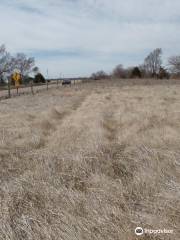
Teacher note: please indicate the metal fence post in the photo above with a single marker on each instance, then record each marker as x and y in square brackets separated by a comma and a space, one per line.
[32, 90]
[9, 87]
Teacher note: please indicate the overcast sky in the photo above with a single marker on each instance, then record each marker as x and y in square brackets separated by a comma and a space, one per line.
[78, 37]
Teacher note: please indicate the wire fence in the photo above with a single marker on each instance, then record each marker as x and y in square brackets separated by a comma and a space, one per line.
[9, 91]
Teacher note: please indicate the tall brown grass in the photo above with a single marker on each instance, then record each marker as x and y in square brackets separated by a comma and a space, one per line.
[91, 162]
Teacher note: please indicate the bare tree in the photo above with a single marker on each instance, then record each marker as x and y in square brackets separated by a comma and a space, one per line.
[2, 49]
[143, 70]
[6, 61]
[174, 65]
[163, 73]
[152, 62]
[24, 64]
[99, 75]
[119, 71]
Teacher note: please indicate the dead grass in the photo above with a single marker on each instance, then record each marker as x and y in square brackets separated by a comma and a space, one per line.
[91, 162]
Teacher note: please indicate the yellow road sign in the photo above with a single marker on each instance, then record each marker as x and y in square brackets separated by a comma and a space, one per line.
[17, 78]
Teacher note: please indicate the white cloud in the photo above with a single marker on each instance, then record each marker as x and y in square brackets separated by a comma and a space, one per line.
[103, 32]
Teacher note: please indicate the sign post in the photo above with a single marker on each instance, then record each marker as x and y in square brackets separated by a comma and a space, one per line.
[17, 77]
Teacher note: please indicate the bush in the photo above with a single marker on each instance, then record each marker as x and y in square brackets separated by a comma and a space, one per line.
[39, 78]
[163, 73]
[2, 82]
[27, 79]
[99, 75]
[119, 72]
[136, 73]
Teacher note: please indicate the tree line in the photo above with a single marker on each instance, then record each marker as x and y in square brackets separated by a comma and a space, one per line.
[151, 68]
[19, 62]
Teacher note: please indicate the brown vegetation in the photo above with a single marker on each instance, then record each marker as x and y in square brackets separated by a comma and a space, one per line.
[92, 161]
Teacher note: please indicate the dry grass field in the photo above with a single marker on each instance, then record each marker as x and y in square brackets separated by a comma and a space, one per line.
[91, 161]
